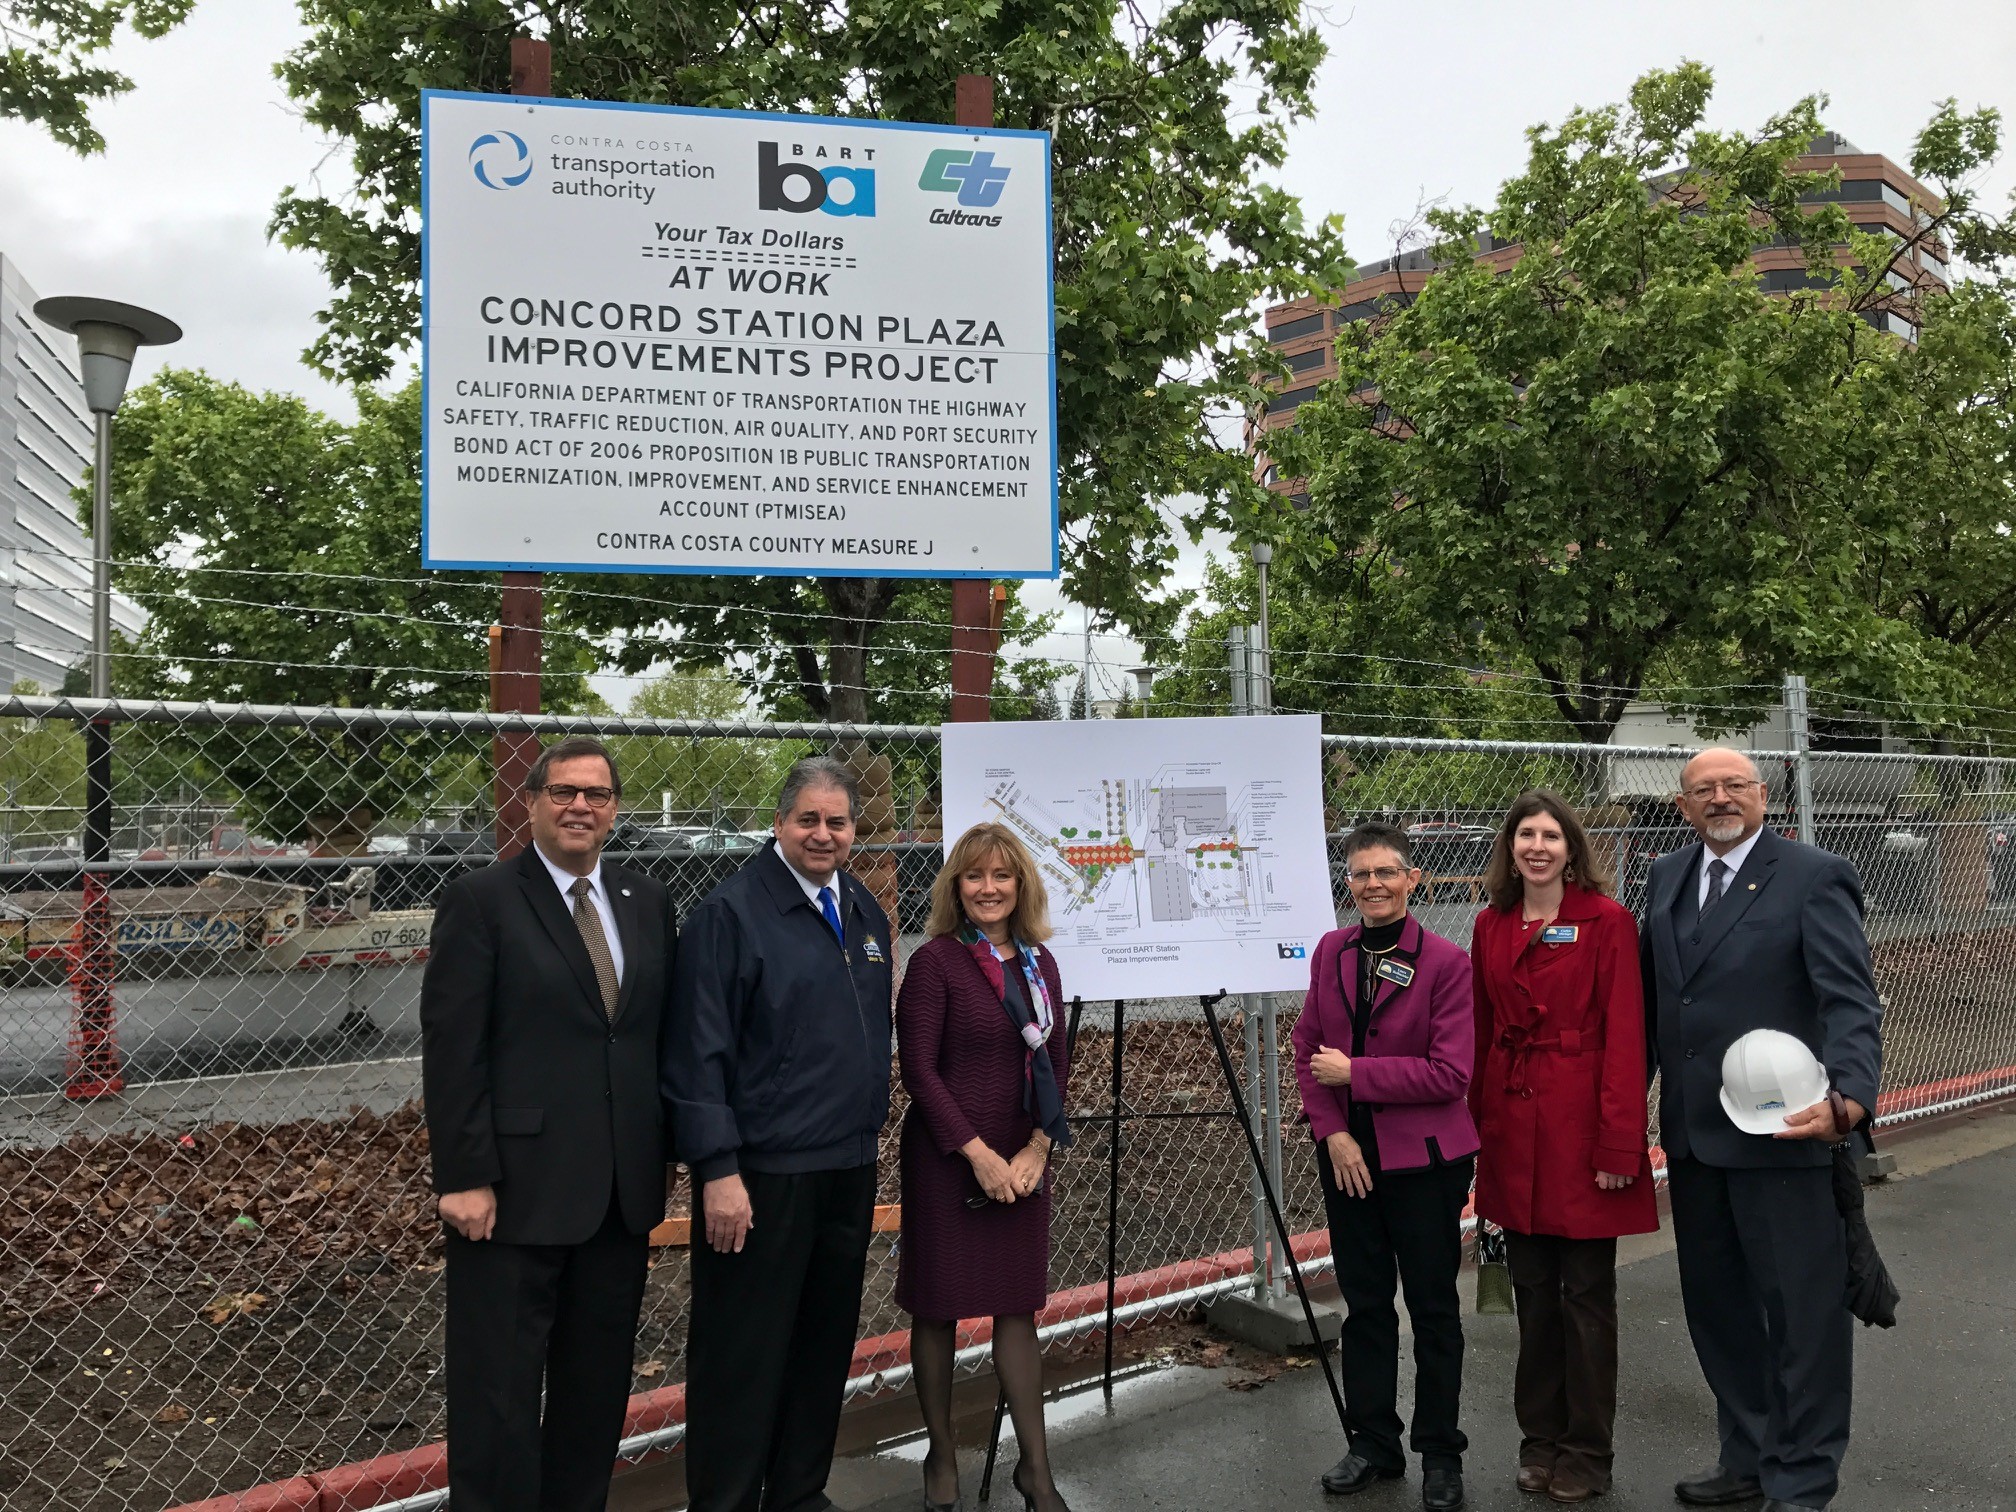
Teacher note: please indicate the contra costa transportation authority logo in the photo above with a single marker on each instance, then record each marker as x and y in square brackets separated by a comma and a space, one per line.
[500, 160]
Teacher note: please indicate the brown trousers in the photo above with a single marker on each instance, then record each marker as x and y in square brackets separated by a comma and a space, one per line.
[1565, 1389]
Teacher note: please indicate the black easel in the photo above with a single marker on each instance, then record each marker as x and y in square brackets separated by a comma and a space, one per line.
[1210, 1007]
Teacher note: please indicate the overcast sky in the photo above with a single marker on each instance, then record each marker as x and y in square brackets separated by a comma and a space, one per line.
[1416, 102]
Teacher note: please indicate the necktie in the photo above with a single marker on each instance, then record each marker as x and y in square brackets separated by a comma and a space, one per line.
[1718, 879]
[589, 922]
[832, 913]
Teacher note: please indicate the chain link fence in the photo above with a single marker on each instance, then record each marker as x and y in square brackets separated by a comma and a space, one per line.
[228, 1273]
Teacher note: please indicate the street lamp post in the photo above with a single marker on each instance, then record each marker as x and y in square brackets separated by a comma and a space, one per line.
[108, 335]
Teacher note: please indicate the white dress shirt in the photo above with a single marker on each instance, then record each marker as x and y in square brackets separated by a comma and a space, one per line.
[1733, 859]
[813, 889]
[600, 894]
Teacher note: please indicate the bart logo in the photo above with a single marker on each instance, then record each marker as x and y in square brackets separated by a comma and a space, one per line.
[1291, 952]
[799, 188]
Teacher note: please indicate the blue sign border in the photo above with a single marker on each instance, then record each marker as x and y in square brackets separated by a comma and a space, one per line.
[427, 558]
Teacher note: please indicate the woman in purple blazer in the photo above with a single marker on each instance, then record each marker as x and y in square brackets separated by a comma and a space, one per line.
[1382, 1054]
[980, 1029]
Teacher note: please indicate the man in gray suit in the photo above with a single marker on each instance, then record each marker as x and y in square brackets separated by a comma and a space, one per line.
[1744, 931]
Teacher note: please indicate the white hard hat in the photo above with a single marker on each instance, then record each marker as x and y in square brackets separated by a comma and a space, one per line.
[1766, 1075]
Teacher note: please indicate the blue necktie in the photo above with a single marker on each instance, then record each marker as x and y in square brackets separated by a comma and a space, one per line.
[832, 914]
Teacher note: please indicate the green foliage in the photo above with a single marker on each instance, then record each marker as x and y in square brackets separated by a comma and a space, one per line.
[728, 782]
[1935, 462]
[1165, 235]
[782, 642]
[272, 548]
[46, 72]
[1619, 452]
[1354, 658]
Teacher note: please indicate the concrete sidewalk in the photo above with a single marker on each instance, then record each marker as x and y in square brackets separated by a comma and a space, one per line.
[1935, 1417]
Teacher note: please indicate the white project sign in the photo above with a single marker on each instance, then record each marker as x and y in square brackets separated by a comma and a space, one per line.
[660, 340]
[1181, 856]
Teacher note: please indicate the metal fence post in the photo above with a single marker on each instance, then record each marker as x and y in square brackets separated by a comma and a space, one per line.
[1239, 646]
[1799, 716]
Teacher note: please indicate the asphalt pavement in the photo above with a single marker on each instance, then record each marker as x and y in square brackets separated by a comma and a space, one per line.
[1935, 1397]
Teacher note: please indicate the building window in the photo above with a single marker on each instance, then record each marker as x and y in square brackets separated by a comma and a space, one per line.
[1308, 325]
[1788, 280]
[1288, 399]
[1302, 362]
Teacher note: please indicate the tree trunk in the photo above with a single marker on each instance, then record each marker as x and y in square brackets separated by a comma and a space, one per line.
[856, 606]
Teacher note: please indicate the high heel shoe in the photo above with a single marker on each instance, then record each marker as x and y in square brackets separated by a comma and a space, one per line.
[1028, 1497]
[958, 1502]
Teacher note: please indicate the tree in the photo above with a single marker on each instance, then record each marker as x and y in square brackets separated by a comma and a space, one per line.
[276, 553]
[725, 781]
[1350, 658]
[1165, 235]
[1081, 697]
[46, 71]
[771, 636]
[1043, 704]
[1618, 449]
[1936, 464]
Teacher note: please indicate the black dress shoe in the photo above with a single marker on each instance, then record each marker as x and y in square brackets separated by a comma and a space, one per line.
[1353, 1474]
[1441, 1490]
[1717, 1488]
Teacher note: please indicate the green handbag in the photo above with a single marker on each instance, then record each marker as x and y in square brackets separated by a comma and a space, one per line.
[1494, 1273]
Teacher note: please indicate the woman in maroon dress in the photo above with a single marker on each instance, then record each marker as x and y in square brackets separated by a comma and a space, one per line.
[1559, 1098]
[981, 1042]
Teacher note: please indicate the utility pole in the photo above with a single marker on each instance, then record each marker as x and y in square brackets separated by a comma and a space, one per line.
[977, 604]
[518, 648]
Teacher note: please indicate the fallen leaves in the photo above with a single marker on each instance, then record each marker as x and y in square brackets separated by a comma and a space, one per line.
[231, 1305]
[651, 1368]
[172, 1412]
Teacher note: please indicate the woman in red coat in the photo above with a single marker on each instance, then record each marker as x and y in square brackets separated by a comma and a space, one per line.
[1559, 1098]
[980, 1028]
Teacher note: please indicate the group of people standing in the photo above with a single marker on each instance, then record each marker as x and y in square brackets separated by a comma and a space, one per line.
[576, 1041]
[1525, 1063]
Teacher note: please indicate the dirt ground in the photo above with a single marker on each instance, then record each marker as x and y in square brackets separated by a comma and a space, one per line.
[184, 1317]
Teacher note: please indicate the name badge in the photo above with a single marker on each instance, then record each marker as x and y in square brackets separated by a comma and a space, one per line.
[1399, 973]
[1560, 934]
[872, 948]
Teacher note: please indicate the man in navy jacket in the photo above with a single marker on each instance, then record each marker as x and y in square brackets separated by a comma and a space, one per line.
[1744, 931]
[776, 1077]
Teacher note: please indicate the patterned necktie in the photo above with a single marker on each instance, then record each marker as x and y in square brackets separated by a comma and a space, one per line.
[1718, 880]
[832, 914]
[589, 922]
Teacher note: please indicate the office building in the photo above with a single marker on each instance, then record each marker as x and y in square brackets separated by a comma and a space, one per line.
[1878, 195]
[45, 449]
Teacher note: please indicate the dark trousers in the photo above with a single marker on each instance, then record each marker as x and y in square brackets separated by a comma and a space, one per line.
[771, 1342]
[522, 1318]
[1564, 1391]
[1409, 1229]
[1763, 1275]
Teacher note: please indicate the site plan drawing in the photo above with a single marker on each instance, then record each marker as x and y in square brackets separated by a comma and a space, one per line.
[1180, 856]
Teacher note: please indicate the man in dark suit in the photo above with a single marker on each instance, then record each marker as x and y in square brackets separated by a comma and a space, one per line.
[777, 1074]
[1743, 931]
[540, 1015]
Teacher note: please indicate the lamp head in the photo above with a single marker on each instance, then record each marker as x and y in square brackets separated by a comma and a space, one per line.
[108, 335]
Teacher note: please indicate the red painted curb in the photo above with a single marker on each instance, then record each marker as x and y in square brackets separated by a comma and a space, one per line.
[1925, 1094]
[297, 1495]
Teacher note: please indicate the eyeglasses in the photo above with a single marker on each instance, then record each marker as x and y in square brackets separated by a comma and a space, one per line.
[1387, 874]
[563, 794]
[1735, 787]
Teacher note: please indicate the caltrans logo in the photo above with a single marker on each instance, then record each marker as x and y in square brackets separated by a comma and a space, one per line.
[970, 175]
